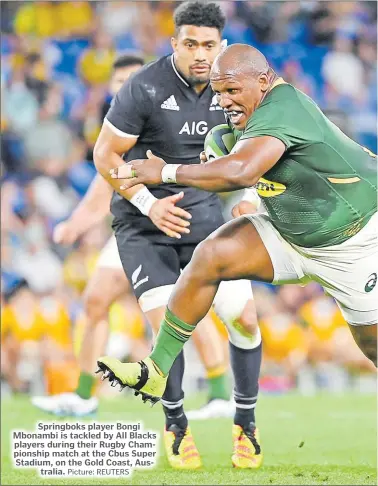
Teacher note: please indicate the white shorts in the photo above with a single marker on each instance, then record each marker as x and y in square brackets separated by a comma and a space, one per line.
[109, 256]
[348, 272]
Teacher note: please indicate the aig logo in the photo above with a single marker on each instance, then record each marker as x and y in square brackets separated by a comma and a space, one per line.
[199, 128]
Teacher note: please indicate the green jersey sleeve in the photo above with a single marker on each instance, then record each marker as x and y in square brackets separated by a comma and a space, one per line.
[282, 115]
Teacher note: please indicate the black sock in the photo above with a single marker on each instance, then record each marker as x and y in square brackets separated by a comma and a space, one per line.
[245, 418]
[173, 397]
[175, 416]
[246, 365]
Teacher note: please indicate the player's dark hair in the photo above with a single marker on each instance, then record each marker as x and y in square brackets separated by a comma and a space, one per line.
[127, 60]
[199, 14]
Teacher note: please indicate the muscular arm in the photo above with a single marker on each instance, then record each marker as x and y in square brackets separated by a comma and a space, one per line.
[107, 155]
[242, 168]
[249, 160]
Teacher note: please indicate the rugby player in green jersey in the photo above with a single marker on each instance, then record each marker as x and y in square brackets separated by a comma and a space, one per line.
[319, 189]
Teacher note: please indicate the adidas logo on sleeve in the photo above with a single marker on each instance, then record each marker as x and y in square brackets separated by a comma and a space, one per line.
[170, 104]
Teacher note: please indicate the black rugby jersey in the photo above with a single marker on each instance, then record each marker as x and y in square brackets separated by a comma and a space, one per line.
[171, 119]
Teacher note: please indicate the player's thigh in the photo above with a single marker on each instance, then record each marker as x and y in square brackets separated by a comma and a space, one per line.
[247, 248]
[109, 256]
[105, 286]
[152, 269]
[365, 337]
[348, 278]
[234, 299]
[348, 272]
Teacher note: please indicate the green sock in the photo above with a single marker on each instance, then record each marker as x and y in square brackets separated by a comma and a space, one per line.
[218, 387]
[84, 388]
[172, 336]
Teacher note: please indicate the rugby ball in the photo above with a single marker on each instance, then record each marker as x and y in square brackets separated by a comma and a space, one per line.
[219, 142]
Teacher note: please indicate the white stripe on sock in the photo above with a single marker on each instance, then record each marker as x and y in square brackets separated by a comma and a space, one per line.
[239, 405]
[172, 405]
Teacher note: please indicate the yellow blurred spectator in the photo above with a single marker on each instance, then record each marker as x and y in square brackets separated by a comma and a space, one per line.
[61, 370]
[54, 19]
[57, 323]
[22, 317]
[96, 63]
[322, 316]
[76, 18]
[329, 336]
[80, 263]
[37, 19]
[123, 321]
[283, 338]
[164, 19]
[77, 268]
[41, 329]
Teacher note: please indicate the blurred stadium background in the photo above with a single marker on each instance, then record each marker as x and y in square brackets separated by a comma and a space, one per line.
[56, 60]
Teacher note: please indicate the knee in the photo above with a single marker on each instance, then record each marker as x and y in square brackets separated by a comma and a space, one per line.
[206, 260]
[235, 307]
[96, 305]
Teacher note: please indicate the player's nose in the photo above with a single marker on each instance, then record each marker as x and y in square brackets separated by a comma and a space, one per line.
[224, 101]
[200, 55]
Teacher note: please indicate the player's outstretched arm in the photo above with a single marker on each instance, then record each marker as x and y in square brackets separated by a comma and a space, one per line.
[94, 206]
[91, 210]
[249, 160]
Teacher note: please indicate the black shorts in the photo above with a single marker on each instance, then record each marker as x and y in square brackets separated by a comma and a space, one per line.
[151, 259]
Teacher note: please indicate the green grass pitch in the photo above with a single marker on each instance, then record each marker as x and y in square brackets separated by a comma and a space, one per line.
[338, 434]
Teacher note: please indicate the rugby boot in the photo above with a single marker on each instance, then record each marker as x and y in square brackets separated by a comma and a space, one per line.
[247, 453]
[181, 450]
[143, 377]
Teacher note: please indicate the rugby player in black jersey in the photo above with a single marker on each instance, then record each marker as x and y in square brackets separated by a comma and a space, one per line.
[168, 106]
[108, 284]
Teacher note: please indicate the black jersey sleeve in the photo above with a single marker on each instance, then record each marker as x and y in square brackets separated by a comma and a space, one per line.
[129, 108]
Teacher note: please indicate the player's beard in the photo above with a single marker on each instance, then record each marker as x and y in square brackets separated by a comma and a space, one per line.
[198, 80]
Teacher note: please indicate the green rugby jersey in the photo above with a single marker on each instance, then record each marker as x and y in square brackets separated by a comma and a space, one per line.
[323, 190]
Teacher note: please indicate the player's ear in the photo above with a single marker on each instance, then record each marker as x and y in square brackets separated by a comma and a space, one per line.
[264, 82]
[174, 43]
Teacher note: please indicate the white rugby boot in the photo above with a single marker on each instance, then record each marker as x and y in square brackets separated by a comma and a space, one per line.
[66, 405]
